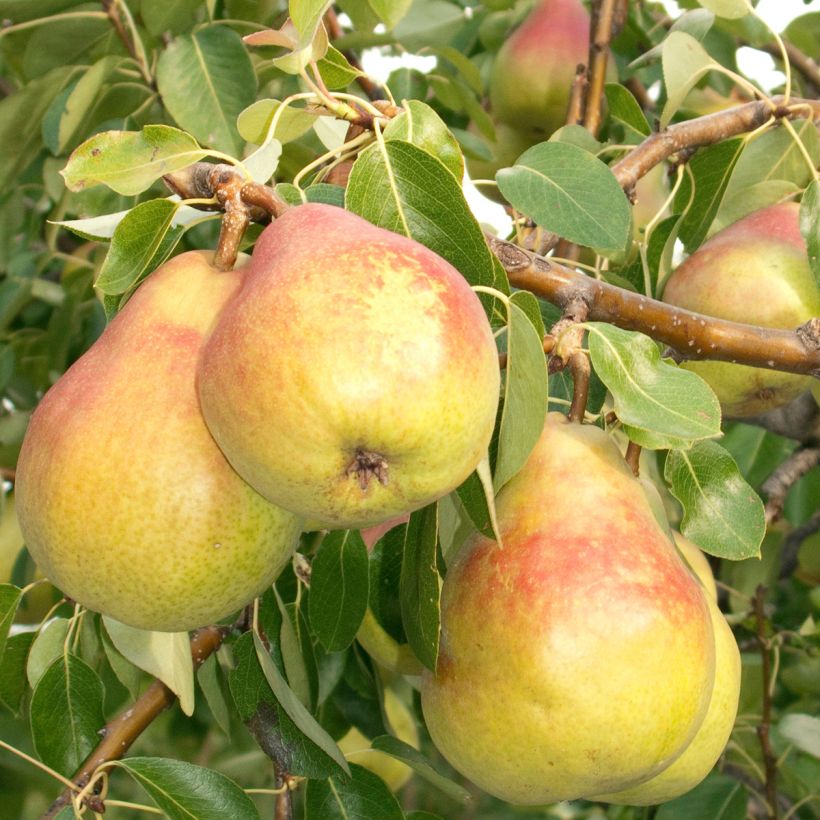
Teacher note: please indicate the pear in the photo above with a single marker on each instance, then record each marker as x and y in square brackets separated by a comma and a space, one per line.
[577, 656]
[124, 499]
[703, 752]
[533, 72]
[698, 563]
[755, 271]
[355, 376]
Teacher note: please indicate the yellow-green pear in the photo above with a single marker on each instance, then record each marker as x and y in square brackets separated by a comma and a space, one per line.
[357, 749]
[698, 563]
[755, 271]
[577, 656]
[355, 377]
[125, 501]
[708, 744]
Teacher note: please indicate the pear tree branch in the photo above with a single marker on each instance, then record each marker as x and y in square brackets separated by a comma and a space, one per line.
[119, 733]
[606, 20]
[777, 485]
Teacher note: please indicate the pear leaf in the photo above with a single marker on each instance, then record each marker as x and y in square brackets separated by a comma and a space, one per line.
[206, 80]
[66, 714]
[307, 17]
[9, 599]
[129, 675]
[570, 192]
[662, 404]
[390, 11]
[363, 796]
[165, 655]
[684, 61]
[420, 585]
[263, 161]
[722, 514]
[255, 121]
[184, 791]
[802, 731]
[13, 684]
[421, 765]
[719, 797]
[337, 73]
[625, 108]
[729, 9]
[209, 678]
[48, 645]
[128, 162]
[810, 226]
[294, 661]
[339, 588]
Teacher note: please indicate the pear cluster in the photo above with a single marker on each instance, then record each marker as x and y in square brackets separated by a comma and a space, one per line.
[343, 376]
[580, 657]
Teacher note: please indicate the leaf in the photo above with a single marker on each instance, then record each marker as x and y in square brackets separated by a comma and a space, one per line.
[185, 791]
[47, 647]
[362, 797]
[206, 79]
[625, 108]
[717, 798]
[255, 121]
[730, 9]
[810, 226]
[722, 514]
[307, 16]
[711, 169]
[339, 589]
[399, 186]
[421, 125]
[128, 162]
[208, 676]
[337, 73]
[421, 765]
[130, 676]
[474, 500]
[293, 707]
[570, 192]
[9, 599]
[142, 241]
[525, 395]
[390, 12]
[294, 660]
[802, 731]
[165, 655]
[651, 396]
[685, 61]
[420, 587]
[13, 682]
[66, 714]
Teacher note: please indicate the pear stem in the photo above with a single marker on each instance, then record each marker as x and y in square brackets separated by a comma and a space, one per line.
[125, 728]
[633, 457]
[769, 757]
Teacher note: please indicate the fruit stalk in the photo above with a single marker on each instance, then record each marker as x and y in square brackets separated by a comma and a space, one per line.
[607, 18]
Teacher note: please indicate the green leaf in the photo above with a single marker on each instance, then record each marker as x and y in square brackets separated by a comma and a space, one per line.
[294, 708]
[420, 586]
[802, 731]
[421, 125]
[362, 797]
[255, 121]
[337, 73]
[129, 675]
[13, 682]
[625, 108]
[421, 765]
[568, 191]
[165, 655]
[711, 168]
[185, 791]
[474, 500]
[47, 647]
[294, 654]
[662, 404]
[339, 589]
[9, 599]
[525, 394]
[722, 514]
[810, 226]
[128, 162]
[66, 714]
[718, 798]
[206, 79]
[390, 12]
[685, 61]
[306, 16]
[399, 186]
[160, 16]
[208, 676]
[142, 241]
[321, 192]
[730, 9]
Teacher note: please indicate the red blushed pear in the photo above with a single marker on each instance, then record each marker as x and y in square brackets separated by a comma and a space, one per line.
[125, 501]
[533, 72]
[755, 271]
[355, 376]
[579, 657]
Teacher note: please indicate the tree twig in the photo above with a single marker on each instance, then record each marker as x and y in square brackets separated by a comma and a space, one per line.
[769, 757]
[334, 30]
[603, 25]
[792, 543]
[580, 369]
[119, 733]
[777, 485]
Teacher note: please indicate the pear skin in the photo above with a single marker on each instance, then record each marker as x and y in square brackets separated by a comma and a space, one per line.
[355, 377]
[698, 563]
[125, 501]
[755, 271]
[579, 657]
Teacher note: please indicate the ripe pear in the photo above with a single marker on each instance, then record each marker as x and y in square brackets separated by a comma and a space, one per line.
[355, 376]
[356, 747]
[533, 72]
[125, 501]
[698, 563]
[577, 656]
[755, 271]
[708, 744]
